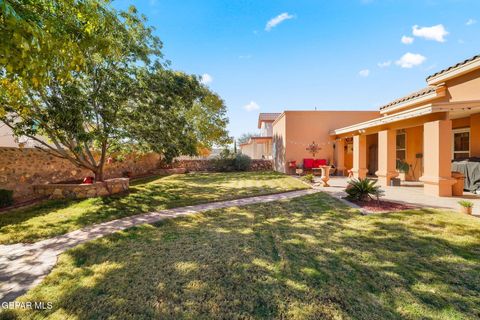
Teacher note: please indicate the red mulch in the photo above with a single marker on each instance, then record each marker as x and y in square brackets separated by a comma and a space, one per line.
[382, 206]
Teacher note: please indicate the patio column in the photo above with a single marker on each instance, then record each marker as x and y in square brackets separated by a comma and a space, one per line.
[386, 157]
[340, 156]
[437, 155]
[475, 135]
[360, 156]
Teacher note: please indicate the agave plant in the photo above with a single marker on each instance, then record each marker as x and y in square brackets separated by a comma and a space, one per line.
[363, 190]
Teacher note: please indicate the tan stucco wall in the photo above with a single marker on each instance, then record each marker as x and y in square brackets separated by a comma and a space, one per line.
[279, 144]
[414, 145]
[465, 87]
[295, 130]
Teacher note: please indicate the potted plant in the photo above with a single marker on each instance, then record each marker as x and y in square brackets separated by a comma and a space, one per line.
[403, 168]
[299, 169]
[466, 206]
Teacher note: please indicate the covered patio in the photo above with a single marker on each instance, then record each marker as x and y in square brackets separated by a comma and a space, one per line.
[409, 193]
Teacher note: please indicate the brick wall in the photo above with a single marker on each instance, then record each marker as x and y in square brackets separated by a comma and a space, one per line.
[21, 168]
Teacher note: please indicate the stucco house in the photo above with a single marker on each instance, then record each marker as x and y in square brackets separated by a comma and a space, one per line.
[424, 130]
[260, 147]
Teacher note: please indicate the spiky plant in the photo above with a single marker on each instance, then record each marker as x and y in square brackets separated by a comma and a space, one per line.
[363, 190]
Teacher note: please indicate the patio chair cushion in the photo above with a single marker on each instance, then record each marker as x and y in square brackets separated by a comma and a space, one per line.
[317, 163]
[308, 163]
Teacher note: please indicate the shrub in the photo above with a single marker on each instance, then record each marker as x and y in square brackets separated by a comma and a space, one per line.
[363, 190]
[308, 178]
[225, 161]
[6, 198]
[403, 166]
[465, 203]
[242, 162]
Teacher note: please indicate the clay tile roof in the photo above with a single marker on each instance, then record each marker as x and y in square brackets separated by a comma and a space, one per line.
[267, 117]
[460, 64]
[412, 95]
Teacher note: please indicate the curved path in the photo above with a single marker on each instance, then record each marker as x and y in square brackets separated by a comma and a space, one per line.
[22, 266]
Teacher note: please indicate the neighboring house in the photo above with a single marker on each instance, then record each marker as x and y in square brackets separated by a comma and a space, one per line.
[260, 147]
[426, 129]
[7, 139]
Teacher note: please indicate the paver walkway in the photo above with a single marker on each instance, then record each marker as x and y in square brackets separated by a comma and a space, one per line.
[22, 266]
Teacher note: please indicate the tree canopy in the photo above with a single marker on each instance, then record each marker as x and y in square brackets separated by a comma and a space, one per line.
[84, 80]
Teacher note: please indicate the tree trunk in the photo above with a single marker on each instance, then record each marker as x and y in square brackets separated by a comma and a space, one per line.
[99, 174]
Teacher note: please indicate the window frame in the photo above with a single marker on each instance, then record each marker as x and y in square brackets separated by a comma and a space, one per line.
[461, 130]
[399, 133]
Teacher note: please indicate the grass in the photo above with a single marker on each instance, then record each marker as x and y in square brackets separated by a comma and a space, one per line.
[58, 217]
[305, 258]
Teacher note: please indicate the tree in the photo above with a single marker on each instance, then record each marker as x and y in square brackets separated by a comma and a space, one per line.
[77, 111]
[175, 114]
[245, 137]
[110, 92]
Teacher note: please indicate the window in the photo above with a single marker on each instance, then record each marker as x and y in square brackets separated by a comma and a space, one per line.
[401, 145]
[461, 143]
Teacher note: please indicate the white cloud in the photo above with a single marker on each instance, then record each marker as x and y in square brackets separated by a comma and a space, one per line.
[277, 20]
[251, 106]
[470, 22]
[364, 73]
[206, 78]
[410, 60]
[436, 33]
[407, 40]
[384, 64]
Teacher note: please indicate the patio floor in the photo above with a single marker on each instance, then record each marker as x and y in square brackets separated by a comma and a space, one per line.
[409, 193]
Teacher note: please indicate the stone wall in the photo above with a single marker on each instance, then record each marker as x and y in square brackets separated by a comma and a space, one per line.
[209, 165]
[81, 191]
[20, 169]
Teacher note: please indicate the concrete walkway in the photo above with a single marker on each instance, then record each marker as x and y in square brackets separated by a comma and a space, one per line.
[408, 194]
[23, 266]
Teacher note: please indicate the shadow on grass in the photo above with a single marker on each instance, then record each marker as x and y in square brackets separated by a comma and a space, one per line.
[306, 258]
[149, 194]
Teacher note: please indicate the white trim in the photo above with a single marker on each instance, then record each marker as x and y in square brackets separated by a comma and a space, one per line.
[403, 104]
[461, 130]
[455, 72]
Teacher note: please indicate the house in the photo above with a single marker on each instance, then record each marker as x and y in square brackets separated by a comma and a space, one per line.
[260, 147]
[426, 130]
[422, 132]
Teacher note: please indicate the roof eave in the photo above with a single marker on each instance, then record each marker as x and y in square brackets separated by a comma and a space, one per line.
[453, 73]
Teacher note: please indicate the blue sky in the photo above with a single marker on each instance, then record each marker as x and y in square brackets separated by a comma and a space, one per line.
[313, 53]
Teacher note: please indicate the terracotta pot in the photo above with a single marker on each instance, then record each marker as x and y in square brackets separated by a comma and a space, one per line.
[466, 210]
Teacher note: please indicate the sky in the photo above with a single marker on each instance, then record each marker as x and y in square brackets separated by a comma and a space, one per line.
[276, 55]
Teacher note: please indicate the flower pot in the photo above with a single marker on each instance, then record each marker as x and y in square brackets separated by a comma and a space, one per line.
[466, 210]
[402, 176]
[299, 171]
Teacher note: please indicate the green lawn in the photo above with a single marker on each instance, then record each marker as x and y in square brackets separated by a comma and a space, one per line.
[58, 217]
[306, 258]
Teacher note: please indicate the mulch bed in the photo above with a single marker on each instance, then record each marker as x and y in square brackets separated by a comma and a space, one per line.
[382, 206]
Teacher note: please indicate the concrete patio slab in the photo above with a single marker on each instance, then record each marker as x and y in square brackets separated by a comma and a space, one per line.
[409, 193]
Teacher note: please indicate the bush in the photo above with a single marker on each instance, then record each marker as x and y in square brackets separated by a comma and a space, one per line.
[6, 198]
[242, 162]
[308, 178]
[363, 190]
